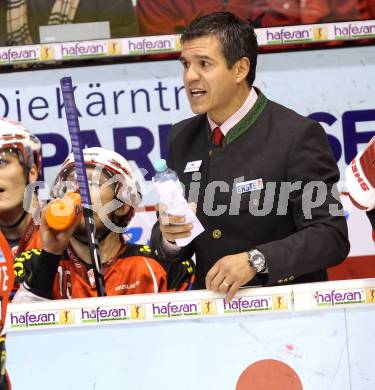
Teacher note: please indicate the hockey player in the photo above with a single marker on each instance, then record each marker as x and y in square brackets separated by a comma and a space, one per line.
[63, 269]
[20, 164]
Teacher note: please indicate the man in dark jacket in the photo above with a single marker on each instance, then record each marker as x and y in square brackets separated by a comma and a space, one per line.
[265, 185]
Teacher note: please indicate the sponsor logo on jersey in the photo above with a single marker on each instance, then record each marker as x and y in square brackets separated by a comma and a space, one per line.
[128, 286]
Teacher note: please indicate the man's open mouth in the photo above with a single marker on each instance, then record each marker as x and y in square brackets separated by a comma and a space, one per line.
[197, 92]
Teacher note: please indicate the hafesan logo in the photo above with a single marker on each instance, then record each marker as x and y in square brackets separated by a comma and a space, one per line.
[248, 304]
[18, 54]
[349, 31]
[149, 45]
[282, 35]
[176, 309]
[105, 314]
[33, 319]
[339, 297]
[82, 49]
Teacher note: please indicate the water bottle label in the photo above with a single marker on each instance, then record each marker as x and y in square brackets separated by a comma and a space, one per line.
[170, 194]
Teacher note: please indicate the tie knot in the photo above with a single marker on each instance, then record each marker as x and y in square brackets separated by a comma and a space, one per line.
[217, 136]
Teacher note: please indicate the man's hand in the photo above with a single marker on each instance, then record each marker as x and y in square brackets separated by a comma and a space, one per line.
[55, 241]
[173, 227]
[229, 273]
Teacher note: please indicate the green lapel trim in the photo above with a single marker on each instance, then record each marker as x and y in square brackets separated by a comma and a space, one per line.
[248, 119]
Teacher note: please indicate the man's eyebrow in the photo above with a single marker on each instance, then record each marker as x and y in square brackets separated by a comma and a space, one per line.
[197, 56]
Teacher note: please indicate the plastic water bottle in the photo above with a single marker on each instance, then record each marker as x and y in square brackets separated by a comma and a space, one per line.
[163, 173]
[170, 193]
[169, 188]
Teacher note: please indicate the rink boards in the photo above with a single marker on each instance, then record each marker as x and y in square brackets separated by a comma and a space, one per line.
[322, 333]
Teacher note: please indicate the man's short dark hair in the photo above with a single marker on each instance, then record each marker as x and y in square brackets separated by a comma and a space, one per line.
[236, 36]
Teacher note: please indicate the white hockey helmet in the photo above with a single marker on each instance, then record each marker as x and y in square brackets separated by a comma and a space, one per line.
[127, 188]
[15, 137]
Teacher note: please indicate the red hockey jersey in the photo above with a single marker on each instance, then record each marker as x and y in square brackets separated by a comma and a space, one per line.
[6, 284]
[137, 270]
[133, 272]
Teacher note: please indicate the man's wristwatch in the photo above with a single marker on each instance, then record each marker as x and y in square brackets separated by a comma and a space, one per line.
[257, 260]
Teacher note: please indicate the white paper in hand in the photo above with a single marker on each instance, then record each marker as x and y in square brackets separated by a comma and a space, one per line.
[170, 194]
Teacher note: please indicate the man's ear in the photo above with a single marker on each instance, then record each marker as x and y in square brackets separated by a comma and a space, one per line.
[242, 69]
[33, 173]
[123, 210]
[124, 214]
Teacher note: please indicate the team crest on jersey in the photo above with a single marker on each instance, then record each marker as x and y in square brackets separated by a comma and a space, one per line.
[91, 276]
[65, 282]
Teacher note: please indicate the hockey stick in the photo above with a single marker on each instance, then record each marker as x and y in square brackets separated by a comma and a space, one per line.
[74, 132]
